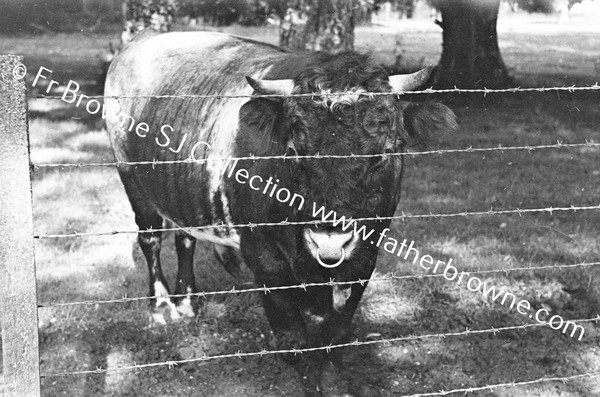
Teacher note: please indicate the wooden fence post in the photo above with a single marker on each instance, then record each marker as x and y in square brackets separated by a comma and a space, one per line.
[18, 299]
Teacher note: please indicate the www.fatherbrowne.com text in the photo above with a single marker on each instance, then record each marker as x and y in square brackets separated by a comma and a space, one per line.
[405, 250]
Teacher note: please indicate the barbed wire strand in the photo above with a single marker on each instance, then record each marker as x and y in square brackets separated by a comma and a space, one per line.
[403, 217]
[507, 384]
[456, 90]
[470, 149]
[266, 290]
[328, 348]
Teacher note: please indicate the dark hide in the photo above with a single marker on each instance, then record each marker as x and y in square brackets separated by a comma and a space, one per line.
[358, 187]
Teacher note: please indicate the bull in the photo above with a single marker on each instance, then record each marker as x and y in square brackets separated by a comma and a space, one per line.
[171, 127]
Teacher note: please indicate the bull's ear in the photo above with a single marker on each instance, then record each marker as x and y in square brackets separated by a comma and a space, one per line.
[260, 128]
[422, 121]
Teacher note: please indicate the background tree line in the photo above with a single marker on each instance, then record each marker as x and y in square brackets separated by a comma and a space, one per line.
[470, 52]
[101, 15]
[470, 56]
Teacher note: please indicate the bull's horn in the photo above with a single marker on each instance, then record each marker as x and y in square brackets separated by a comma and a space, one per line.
[407, 82]
[270, 87]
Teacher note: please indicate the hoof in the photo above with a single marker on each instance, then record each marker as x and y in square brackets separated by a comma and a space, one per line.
[158, 318]
[162, 306]
[185, 308]
[163, 311]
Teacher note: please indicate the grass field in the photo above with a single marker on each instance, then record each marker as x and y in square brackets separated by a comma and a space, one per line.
[91, 199]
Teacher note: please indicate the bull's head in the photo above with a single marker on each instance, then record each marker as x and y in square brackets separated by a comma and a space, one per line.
[355, 123]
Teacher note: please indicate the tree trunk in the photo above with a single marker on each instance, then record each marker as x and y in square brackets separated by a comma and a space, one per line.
[319, 25]
[124, 11]
[564, 7]
[470, 55]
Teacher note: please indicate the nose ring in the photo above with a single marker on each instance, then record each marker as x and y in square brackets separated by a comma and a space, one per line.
[332, 265]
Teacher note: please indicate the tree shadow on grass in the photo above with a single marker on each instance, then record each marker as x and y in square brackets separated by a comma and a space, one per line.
[433, 364]
[120, 335]
[71, 109]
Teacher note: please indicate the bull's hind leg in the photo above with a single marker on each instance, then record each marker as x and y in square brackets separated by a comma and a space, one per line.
[148, 219]
[150, 243]
[186, 282]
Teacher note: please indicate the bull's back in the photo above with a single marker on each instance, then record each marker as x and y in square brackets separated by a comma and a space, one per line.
[178, 128]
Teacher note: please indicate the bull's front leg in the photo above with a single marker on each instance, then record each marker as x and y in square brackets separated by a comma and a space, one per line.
[272, 267]
[283, 310]
[336, 329]
[296, 326]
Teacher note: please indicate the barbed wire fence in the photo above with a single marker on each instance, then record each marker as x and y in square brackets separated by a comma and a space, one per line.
[386, 277]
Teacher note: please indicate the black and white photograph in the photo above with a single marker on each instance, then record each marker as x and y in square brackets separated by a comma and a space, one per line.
[320, 198]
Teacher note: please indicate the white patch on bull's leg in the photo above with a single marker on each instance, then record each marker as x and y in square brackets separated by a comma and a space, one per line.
[315, 318]
[340, 296]
[158, 318]
[187, 243]
[184, 307]
[163, 302]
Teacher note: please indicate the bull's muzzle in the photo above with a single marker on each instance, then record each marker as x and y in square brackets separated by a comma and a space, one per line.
[331, 248]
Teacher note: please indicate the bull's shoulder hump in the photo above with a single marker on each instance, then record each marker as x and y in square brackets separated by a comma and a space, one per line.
[196, 40]
[147, 63]
[193, 44]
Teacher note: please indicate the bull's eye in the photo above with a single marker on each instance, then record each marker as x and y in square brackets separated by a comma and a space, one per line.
[373, 201]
